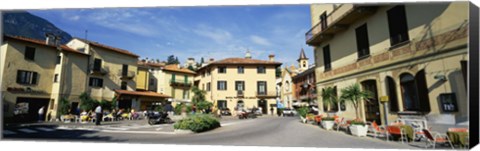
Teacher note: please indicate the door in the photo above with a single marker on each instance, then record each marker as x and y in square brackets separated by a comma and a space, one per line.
[73, 108]
[33, 105]
[263, 104]
[372, 107]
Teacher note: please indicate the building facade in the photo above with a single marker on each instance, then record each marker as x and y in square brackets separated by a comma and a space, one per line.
[305, 90]
[176, 82]
[416, 54]
[39, 73]
[240, 83]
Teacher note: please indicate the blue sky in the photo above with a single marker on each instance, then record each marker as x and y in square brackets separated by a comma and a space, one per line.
[210, 32]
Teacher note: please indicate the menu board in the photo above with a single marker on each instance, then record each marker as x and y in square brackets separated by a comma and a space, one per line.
[448, 102]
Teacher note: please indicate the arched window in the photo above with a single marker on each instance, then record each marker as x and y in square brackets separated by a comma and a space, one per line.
[304, 64]
[392, 94]
[409, 93]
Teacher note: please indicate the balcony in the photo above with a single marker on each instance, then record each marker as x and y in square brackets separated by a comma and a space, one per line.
[266, 94]
[180, 83]
[240, 93]
[126, 74]
[99, 70]
[337, 21]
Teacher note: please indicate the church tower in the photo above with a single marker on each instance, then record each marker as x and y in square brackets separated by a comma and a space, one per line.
[302, 61]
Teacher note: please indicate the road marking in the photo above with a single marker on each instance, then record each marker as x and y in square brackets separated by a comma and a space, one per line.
[136, 132]
[7, 132]
[27, 130]
[157, 129]
[45, 129]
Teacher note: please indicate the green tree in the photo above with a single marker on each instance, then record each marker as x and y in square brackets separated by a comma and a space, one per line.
[63, 106]
[190, 67]
[329, 96]
[202, 61]
[86, 102]
[355, 95]
[198, 95]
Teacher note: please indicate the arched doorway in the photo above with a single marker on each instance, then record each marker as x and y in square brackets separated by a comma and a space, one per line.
[415, 92]
[240, 105]
[372, 108]
[263, 104]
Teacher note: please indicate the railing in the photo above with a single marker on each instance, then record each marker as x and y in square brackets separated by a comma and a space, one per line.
[126, 74]
[266, 93]
[180, 83]
[331, 18]
[99, 70]
[240, 93]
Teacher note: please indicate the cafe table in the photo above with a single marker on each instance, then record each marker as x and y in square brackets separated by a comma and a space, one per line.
[458, 138]
[407, 129]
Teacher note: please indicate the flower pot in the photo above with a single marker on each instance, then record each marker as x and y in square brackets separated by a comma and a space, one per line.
[358, 130]
[328, 125]
[304, 120]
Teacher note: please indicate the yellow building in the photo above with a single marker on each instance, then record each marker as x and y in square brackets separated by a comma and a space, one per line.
[147, 81]
[110, 69]
[416, 54]
[176, 82]
[38, 73]
[239, 83]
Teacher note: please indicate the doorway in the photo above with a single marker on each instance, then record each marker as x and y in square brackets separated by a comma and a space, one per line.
[372, 107]
[31, 106]
[263, 104]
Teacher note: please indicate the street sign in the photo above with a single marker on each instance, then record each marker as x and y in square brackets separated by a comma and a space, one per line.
[384, 99]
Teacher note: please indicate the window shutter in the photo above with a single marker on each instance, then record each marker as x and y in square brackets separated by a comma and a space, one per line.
[421, 84]
[100, 82]
[19, 76]
[34, 77]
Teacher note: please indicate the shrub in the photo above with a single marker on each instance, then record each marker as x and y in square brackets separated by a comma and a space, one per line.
[178, 108]
[197, 123]
[303, 111]
[357, 122]
[328, 119]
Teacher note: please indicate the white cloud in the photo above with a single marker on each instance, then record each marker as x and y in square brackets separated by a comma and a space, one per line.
[74, 18]
[259, 40]
[216, 34]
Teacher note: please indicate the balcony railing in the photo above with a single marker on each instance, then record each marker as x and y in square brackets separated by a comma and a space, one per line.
[99, 70]
[338, 20]
[181, 83]
[126, 74]
[240, 93]
[266, 93]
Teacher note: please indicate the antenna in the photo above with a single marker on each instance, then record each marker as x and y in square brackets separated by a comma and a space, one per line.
[86, 34]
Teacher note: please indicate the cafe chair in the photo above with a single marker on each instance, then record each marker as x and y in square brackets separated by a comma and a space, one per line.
[395, 130]
[342, 124]
[378, 130]
[437, 138]
[458, 129]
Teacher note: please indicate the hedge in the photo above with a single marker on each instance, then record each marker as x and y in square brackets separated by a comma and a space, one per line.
[197, 123]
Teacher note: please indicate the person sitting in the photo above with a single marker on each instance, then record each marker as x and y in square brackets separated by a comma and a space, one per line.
[84, 116]
[119, 114]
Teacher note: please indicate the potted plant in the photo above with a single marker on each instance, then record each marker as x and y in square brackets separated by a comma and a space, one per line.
[329, 96]
[302, 112]
[328, 122]
[355, 95]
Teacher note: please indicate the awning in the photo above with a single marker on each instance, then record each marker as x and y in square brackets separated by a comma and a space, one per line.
[141, 93]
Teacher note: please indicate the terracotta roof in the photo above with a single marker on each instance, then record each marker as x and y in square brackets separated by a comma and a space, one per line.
[39, 42]
[118, 50]
[142, 93]
[243, 61]
[153, 64]
[174, 68]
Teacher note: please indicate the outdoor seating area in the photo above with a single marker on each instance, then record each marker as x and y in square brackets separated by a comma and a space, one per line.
[401, 131]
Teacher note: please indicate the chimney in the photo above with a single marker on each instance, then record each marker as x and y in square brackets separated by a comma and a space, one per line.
[271, 57]
[50, 39]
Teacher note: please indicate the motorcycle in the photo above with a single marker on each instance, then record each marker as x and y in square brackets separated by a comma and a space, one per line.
[158, 118]
[247, 114]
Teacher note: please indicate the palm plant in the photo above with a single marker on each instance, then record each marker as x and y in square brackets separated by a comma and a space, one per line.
[355, 95]
[329, 96]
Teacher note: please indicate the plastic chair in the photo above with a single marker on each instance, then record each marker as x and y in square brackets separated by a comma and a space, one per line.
[437, 138]
[318, 119]
[342, 124]
[397, 131]
[376, 129]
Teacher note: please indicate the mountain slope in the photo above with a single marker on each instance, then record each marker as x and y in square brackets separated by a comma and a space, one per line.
[31, 26]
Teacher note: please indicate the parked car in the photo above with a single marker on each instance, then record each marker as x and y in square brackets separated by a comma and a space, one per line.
[289, 112]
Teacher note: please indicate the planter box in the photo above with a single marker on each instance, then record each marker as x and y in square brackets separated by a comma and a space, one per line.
[328, 125]
[181, 131]
[304, 120]
[358, 130]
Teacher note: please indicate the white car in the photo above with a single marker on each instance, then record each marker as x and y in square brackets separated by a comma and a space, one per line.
[289, 112]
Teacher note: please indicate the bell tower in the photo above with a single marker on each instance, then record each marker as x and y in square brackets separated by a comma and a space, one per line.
[302, 61]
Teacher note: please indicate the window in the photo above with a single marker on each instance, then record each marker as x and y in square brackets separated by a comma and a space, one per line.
[151, 82]
[124, 70]
[208, 86]
[363, 49]
[59, 59]
[123, 85]
[95, 82]
[29, 53]
[262, 87]
[240, 85]
[304, 64]
[415, 92]
[323, 20]
[222, 104]
[55, 78]
[185, 77]
[185, 94]
[97, 64]
[240, 69]
[326, 58]
[397, 25]
[26, 77]
[261, 69]
[222, 69]
[208, 72]
[222, 85]
[173, 77]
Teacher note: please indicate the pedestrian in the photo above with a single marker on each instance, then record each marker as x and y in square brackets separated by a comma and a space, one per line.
[98, 112]
[41, 112]
[271, 110]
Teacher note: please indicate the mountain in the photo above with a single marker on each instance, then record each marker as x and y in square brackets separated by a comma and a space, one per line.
[31, 26]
